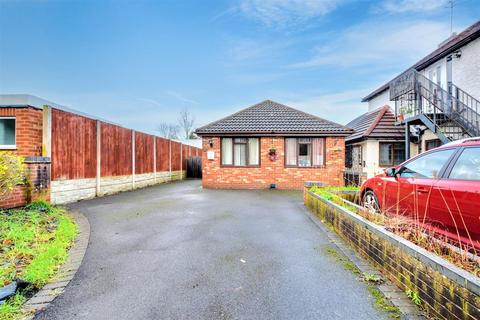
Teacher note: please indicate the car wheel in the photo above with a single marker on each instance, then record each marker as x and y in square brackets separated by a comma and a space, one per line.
[370, 201]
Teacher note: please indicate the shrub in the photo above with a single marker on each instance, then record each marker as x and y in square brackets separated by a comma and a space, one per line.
[12, 172]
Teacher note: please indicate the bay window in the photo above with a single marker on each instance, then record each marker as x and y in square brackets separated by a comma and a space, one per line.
[304, 152]
[7, 133]
[240, 152]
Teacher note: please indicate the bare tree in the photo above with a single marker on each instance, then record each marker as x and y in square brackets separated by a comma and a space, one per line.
[186, 121]
[168, 130]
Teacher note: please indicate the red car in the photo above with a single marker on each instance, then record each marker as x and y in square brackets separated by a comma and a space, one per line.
[439, 189]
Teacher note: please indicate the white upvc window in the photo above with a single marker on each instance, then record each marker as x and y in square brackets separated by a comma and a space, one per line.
[7, 133]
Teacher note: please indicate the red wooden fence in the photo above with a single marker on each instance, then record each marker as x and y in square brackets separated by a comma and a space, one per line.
[74, 149]
[74, 146]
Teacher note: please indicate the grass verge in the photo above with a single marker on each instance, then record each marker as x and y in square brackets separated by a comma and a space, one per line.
[34, 243]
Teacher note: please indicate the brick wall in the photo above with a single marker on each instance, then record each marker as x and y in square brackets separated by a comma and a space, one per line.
[216, 176]
[444, 290]
[37, 186]
[28, 129]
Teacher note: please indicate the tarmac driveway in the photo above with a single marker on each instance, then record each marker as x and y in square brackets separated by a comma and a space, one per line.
[177, 251]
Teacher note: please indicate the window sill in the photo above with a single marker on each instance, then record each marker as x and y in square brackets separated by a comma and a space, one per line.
[311, 167]
[232, 166]
[8, 147]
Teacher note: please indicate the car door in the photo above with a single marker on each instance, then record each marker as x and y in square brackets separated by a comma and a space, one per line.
[409, 192]
[456, 199]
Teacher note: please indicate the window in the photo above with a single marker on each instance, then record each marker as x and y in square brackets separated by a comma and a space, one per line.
[431, 144]
[240, 152]
[304, 152]
[427, 166]
[7, 132]
[467, 166]
[391, 153]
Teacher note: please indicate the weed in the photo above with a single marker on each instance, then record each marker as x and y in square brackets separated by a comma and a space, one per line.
[382, 303]
[413, 295]
[373, 278]
[347, 264]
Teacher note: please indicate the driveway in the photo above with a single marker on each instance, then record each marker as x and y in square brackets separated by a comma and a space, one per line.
[177, 251]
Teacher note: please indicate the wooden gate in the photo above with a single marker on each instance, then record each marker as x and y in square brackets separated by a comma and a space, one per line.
[194, 167]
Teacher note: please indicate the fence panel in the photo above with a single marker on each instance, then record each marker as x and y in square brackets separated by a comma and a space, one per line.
[163, 154]
[74, 146]
[143, 153]
[176, 156]
[116, 151]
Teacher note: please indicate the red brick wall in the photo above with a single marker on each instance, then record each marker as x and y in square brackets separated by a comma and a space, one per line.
[215, 176]
[28, 129]
[23, 194]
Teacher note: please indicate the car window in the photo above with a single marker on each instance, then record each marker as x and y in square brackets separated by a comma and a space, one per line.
[427, 166]
[467, 166]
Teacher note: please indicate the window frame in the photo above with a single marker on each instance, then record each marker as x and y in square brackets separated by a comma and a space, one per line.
[297, 149]
[391, 164]
[247, 155]
[10, 146]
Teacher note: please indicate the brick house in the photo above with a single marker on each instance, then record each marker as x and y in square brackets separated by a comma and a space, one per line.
[272, 145]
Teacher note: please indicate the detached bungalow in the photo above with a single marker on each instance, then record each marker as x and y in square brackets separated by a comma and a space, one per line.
[271, 145]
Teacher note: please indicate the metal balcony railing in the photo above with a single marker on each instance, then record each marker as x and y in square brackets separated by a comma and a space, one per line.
[453, 113]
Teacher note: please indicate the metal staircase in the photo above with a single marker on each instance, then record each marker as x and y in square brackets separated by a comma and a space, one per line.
[451, 115]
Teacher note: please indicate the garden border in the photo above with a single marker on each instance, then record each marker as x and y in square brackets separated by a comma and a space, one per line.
[67, 271]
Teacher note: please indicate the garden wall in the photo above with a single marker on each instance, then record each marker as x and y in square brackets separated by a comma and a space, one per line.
[445, 291]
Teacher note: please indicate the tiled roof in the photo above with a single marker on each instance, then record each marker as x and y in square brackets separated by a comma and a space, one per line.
[376, 124]
[269, 118]
[449, 46]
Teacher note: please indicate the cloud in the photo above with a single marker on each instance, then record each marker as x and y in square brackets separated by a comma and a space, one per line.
[379, 44]
[286, 12]
[180, 97]
[150, 101]
[402, 6]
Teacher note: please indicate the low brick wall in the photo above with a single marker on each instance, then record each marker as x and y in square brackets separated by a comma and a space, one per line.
[37, 186]
[445, 291]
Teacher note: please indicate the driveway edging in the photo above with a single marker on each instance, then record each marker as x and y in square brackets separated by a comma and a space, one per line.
[51, 290]
[390, 292]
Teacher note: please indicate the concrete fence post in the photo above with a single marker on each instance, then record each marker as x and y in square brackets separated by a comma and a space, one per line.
[154, 160]
[170, 159]
[99, 157]
[181, 161]
[133, 159]
[47, 132]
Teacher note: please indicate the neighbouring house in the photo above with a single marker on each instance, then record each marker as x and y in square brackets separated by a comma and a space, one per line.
[438, 98]
[72, 156]
[271, 145]
[377, 143]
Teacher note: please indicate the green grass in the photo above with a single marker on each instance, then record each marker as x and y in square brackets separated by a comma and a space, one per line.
[34, 243]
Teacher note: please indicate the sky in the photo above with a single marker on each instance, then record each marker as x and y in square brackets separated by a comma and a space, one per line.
[139, 63]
